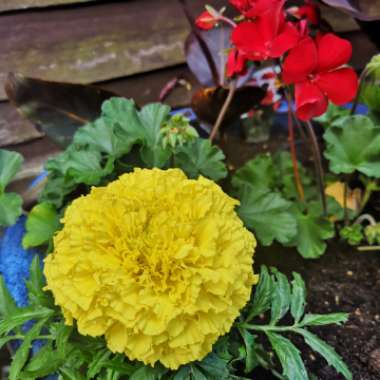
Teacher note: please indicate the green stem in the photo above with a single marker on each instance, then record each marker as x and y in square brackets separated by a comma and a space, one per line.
[360, 89]
[345, 200]
[369, 248]
[268, 328]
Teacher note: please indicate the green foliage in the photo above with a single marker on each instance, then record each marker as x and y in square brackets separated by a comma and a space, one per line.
[332, 114]
[352, 234]
[372, 233]
[42, 223]
[288, 296]
[201, 158]
[10, 203]
[353, 144]
[373, 67]
[267, 214]
[270, 206]
[123, 138]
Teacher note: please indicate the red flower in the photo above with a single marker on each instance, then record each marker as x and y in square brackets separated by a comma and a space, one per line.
[270, 36]
[309, 12]
[315, 67]
[236, 63]
[254, 8]
[206, 21]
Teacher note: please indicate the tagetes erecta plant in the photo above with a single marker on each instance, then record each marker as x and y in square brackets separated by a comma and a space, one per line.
[159, 264]
[316, 64]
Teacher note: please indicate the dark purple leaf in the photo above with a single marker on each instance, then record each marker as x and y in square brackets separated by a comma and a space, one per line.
[365, 10]
[59, 109]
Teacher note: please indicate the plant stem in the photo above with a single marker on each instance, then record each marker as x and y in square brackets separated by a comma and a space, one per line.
[345, 200]
[293, 152]
[366, 217]
[318, 165]
[266, 328]
[369, 248]
[223, 111]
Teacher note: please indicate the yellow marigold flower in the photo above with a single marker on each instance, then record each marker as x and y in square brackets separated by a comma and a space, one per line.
[158, 263]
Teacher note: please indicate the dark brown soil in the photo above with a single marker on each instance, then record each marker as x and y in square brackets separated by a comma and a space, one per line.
[343, 280]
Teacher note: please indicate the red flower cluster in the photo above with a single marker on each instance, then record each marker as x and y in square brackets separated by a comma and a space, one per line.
[315, 66]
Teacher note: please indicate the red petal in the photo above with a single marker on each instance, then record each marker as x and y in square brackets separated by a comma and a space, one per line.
[333, 52]
[235, 63]
[340, 86]
[205, 21]
[286, 40]
[248, 40]
[301, 61]
[310, 101]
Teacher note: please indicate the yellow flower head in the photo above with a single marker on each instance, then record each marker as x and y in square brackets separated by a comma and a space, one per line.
[158, 263]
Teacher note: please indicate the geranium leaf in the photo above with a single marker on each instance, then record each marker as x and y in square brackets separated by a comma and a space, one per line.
[258, 173]
[312, 232]
[263, 294]
[10, 163]
[289, 357]
[201, 158]
[330, 355]
[268, 215]
[353, 144]
[298, 302]
[10, 208]
[42, 222]
[281, 297]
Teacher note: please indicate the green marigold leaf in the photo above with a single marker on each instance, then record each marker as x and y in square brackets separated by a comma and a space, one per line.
[201, 158]
[289, 357]
[324, 319]
[251, 361]
[353, 144]
[22, 354]
[149, 373]
[330, 355]
[7, 304]
[10, 208]
[10, 163]
[42, 223]
[262, 295]
[298, 302]
[281, 297]
[268, 215]
[214, 367]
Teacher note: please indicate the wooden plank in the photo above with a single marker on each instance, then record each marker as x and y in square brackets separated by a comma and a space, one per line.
[14, 129]
[10, 5]
[96, 42]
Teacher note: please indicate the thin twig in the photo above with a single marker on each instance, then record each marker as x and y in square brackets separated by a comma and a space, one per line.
[223, 111]
[366, 218]
[318, 165]
[293, 152]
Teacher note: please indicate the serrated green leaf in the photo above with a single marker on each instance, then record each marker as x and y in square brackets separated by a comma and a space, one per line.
[330, 355]
[10, 163]
[353, 144]
[289, 357]
[258, 173]
[41, 224]
[263, 295]
[251, 361]
[100, 136]
[298, 302]
[201, 158]
[22, 354]
[268, 215]
[152, 117]
[149, 373]
[21, 316]
[324, 319]
[35, 284]
[156, 157]
[183, 373]
[8, 306]
[196, 374]
[213, 367]
[10, 208]
[281, 296]
[97, 363]
[312, 233]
